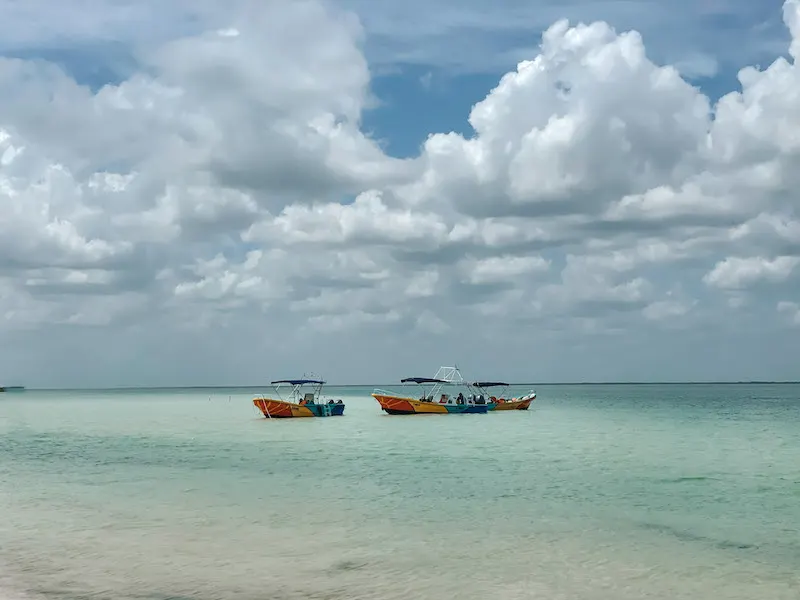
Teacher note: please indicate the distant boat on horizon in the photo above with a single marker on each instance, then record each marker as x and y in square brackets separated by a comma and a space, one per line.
[12, 388]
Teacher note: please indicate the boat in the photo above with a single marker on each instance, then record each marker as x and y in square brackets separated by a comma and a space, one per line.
[433, 399]
[12, 388]
[299, 403]
[483, 390]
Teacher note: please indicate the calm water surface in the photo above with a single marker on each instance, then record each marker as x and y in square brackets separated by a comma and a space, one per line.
[597, 492]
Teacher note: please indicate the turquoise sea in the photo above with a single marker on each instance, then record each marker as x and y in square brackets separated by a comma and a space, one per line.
[609, 492]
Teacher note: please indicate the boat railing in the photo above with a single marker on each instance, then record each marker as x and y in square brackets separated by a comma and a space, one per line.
[383, 392]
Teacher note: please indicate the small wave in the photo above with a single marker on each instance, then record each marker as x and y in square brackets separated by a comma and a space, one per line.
[687, 479]
[688, 536]
[347, 565]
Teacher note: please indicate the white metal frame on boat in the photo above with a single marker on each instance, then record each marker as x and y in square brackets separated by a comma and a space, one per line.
[444, 376]
[295, 394]
[451, 375]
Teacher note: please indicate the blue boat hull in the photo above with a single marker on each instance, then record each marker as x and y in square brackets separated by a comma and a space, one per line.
[467, 409]
[319, 410]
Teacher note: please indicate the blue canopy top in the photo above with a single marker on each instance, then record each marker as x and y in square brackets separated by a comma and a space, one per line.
[298, 381]
[422, 380]
[488, 384]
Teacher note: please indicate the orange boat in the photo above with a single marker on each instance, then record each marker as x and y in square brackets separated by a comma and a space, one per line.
[434, 400]
[299, 403]
[501, 403]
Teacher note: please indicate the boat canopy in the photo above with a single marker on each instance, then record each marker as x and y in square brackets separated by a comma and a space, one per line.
[488, 384]
[422, 380]
[298, 381]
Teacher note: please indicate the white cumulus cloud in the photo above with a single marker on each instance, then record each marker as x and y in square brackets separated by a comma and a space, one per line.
[223, 206]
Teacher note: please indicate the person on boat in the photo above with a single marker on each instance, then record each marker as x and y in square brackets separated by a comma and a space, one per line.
[460, 398]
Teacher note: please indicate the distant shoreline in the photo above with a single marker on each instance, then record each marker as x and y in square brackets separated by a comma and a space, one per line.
[373, 385]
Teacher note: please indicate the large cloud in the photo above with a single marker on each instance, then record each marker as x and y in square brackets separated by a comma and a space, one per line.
[602, 200]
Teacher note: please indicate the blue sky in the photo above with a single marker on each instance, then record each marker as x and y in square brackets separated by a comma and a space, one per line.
[422, 79]
[425, 96]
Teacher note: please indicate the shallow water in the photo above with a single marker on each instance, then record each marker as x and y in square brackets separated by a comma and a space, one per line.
[597, 492]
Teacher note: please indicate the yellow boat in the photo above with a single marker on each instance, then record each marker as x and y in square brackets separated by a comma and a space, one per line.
[299, 403]
[434, 400]
[501, 403]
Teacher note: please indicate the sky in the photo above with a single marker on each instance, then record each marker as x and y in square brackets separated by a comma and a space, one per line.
[199, 193]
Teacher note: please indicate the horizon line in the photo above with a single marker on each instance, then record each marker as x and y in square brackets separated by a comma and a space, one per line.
[544, 383]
